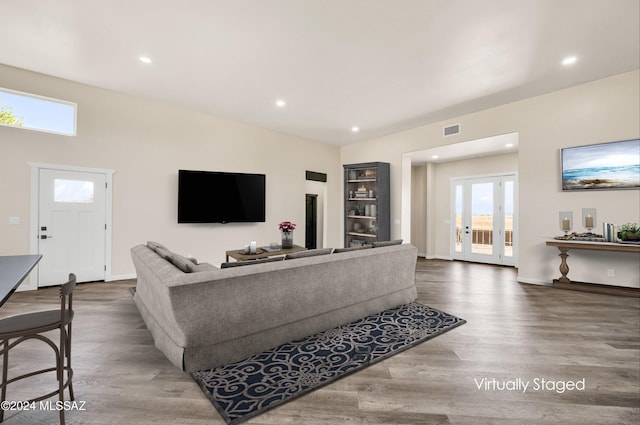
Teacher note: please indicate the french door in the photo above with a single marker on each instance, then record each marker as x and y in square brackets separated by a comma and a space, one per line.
[483, 217]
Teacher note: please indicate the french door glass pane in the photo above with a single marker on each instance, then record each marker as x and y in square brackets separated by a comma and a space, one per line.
[482, 218]
[508, 219]
[458, 241]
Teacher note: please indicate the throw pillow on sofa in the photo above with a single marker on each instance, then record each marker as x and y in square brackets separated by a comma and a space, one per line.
[182, 263]
[164, 253]
[155, 246]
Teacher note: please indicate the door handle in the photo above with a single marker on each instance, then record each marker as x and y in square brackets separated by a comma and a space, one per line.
[46, 237]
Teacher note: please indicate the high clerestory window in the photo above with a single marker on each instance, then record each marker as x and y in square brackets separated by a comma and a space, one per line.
[33, 112]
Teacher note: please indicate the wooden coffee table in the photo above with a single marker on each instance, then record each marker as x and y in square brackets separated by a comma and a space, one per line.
[239, 255]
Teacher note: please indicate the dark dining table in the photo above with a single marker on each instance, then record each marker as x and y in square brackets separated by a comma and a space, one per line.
[13, 270]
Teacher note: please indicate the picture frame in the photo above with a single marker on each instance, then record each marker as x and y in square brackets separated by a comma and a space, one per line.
[601, 166]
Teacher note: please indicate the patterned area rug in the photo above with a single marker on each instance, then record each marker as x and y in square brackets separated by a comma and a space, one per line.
[247, 388]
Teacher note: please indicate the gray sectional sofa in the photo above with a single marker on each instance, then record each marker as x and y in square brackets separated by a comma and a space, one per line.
[202, 316]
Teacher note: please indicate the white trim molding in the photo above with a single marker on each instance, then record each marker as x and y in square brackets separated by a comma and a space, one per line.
[116, 277]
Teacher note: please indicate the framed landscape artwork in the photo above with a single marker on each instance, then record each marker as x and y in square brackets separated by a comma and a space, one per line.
[613, 165]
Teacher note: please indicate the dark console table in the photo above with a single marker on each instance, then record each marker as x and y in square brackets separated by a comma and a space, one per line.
[563, 281]
[13, 270]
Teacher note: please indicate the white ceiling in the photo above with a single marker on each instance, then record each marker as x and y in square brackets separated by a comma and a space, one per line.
[494, 145]
[382, 65]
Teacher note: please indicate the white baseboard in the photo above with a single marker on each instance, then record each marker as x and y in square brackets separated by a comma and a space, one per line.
[434, 257]
[31, 284]
[437, 257]
[24, 286]
[120, 277]
[534, 281]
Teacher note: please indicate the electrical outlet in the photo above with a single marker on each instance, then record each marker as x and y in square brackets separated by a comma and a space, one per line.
[611, 273]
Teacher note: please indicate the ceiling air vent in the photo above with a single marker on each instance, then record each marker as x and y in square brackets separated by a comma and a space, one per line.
[451, 130]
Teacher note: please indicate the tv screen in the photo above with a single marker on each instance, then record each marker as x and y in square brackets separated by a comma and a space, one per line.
[218, 197]
[613, 165]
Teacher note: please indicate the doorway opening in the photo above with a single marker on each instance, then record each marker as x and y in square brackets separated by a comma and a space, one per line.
[311, 221]
[316, 210]
[70, 223]
[483, 217]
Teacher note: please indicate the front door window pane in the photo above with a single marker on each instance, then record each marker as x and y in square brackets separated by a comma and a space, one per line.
[77, 191]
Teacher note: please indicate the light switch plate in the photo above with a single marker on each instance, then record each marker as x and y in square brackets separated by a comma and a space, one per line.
[14, 220]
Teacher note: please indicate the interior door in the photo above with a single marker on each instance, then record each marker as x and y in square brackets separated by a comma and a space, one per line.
[483, 213]
[311, 218]
[71, 226]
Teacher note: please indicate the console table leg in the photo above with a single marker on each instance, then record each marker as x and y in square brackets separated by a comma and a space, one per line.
[564, 267]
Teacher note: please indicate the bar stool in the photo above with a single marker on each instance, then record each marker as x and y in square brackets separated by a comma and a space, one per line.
[31, 326]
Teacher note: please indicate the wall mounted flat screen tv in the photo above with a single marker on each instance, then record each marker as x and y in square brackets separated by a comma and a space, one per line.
[219, 197]
[613, 165]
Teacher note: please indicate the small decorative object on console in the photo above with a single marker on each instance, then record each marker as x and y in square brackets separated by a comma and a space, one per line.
[608, 232]
[251, 248]
[566, 221]
[590, 237]
[589, 218]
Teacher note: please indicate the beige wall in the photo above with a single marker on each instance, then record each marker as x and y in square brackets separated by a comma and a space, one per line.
[146, 143]
[599, 111]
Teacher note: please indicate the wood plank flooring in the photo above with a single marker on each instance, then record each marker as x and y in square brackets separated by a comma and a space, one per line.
[515, 333]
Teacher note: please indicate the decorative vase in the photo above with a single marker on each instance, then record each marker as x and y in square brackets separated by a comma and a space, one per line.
[287, 240]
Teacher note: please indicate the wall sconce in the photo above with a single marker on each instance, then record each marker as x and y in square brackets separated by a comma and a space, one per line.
[565, 221]
[589, 218]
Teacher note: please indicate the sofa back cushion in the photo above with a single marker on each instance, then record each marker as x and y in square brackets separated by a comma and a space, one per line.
[351, 248]
[378, 244]
[308, 253]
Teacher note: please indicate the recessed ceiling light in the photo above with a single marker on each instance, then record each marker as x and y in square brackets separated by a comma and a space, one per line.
[434, 156]
[569, 60]
[145, 59]
[280, 103]
[508, 145]
[355, 129]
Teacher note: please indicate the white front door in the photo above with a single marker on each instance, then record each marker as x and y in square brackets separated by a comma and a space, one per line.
[71, 226]
[483, 211]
